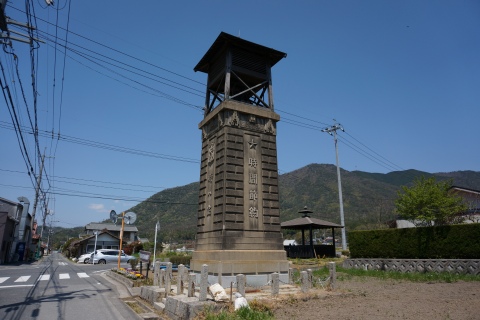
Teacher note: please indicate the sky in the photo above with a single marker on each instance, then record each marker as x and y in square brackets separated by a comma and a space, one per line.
[118, 114]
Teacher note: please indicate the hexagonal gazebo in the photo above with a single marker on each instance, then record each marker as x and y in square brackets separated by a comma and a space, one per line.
[307, 223]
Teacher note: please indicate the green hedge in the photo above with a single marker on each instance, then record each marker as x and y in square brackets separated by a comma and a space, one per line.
[443, 242]
[185, 260]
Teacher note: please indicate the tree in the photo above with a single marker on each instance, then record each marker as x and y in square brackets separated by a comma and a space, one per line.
[429, 202]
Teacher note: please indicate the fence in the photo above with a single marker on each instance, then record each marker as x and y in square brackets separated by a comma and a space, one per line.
[459, 266]
[192, 282]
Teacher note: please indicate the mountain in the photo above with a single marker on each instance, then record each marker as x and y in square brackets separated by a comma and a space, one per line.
[368, 199]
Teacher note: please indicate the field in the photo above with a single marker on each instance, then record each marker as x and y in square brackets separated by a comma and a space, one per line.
[373, 298]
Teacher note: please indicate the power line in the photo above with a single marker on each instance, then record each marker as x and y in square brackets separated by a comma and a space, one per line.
[110, 147]
[393, 164]
[286, 120]
[112, 61]
[91, 180]
[123, 53]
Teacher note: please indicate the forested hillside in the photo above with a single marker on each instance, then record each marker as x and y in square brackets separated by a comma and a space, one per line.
[368, 199]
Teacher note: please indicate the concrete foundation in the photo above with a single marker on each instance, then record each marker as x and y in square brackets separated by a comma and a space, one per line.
[233, 262]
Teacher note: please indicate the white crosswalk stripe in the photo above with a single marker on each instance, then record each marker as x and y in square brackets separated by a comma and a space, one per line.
[8, 281]
[23, 279]
[62, 263]
[44, 277]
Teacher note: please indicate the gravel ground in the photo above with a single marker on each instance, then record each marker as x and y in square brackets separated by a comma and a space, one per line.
[372, 298]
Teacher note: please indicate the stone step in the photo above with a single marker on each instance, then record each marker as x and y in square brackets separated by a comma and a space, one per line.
[149, 316]
[160, 306]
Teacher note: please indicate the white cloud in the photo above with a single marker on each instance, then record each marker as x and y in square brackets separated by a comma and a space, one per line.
[97, 207]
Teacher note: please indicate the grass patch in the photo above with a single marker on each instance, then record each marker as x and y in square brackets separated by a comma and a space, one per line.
[320, 269]
[256, 311]
[134, 306]
[344, 274]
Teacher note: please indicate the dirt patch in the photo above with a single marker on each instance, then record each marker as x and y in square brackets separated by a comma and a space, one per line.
[372, 298]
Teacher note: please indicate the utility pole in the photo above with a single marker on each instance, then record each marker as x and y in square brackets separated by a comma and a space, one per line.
[157, 227]
[44, 216]
[37, 191]
[333, 132]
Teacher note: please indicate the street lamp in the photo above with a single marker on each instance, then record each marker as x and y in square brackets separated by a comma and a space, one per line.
[95, 247]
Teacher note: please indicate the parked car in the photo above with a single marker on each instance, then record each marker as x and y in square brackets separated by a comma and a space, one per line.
[84, 258]
[103, 256]
[174, 267]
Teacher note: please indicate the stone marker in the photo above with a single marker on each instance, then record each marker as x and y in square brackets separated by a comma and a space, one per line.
[275, 284]
[304, 278]
[203, 283]
[241, 281]
[333, 275]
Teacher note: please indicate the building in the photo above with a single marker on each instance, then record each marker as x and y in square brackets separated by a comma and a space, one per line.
[15, 233]
[130, 232]
[470, 197]
[103, 240]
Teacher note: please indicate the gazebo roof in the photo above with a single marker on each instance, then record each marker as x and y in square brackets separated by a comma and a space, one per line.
[306, 222]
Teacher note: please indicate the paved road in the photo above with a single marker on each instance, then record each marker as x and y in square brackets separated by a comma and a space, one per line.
[56, 288]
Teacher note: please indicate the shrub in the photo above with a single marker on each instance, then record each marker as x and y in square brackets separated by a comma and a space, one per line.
[441, 242]
[133, 247]
[133, 263]
[185, 260]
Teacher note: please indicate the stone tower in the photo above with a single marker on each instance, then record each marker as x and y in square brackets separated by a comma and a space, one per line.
[238, 228]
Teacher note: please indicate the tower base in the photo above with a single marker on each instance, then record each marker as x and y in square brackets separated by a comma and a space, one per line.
[247, 262]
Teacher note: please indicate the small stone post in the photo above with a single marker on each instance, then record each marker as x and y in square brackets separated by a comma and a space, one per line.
[304, 281]
[290, 276]
[203, 283]
[333, 275]
[241, 280]
[275, 284]
[156, 273]
[192, 277]
[180, 278]
[310, 278]
[220, 271]
[161, 280]
[168, 279]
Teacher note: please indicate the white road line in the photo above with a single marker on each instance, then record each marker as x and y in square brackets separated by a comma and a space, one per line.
[23, 279]
[62, 263]
[18, 285]
[3, 279]
[83, 275]
[64, 276]
[44, 277]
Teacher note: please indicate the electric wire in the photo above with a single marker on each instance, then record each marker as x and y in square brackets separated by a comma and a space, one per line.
[124, 54]
[289, 121]
[126, 67]
[91, 180]
[393, 164]
[106, 146]
[285, 120]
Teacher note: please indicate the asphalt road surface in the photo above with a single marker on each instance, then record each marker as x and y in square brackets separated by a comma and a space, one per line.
[56, 288]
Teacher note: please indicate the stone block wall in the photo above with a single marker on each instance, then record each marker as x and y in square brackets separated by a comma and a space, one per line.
[458, 266]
